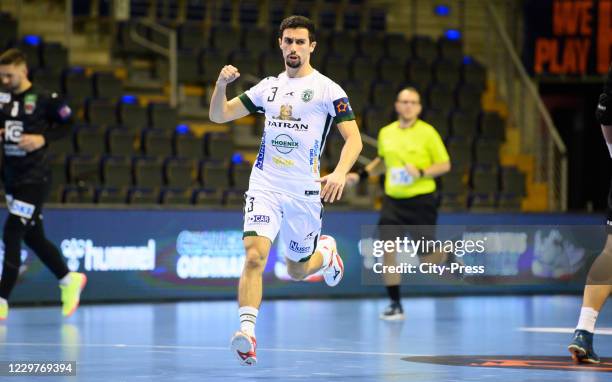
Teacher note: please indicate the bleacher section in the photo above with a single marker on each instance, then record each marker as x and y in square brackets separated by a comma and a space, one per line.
[126, 149]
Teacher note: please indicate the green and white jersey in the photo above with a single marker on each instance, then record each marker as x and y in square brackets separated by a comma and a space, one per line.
[299, 114]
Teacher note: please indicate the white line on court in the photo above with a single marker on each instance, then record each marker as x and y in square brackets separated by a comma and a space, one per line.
[601, 331]
[215, 348]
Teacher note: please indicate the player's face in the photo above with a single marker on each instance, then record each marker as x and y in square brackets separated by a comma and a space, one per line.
[296, 47]
[11, 76]
[408, 104]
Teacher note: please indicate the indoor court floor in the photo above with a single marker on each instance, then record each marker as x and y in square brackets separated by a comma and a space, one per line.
[506, 338]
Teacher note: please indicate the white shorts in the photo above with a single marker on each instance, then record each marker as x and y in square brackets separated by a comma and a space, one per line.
[299, 222]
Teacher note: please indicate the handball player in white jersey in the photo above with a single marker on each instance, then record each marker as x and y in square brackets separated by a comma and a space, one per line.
[285, 189]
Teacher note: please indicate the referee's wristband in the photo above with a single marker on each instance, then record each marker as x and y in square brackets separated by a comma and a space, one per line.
[421, 173]
[363, 174]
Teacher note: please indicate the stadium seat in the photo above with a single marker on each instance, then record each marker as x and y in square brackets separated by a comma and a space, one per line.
[190, 36]
[362, 70]
[397, 47]
[176, 196]
[453, 201]
[335, 66]
[383, 94]
[116, 171]
[513, 181]
[468, 98]
[391, 70]
[371, 44]
[463, 124]
[214, 174]
[211, 62]
[233, 198]
[424, 48]
[219, 146]
[255, 40]
[447, 73]
[54, 57]
[148, 172]
[482, 202]
[132, 116]
[451, 50]
[418, 75]
[459, 152]
[344, 43]
[47, 80]
[144, 196]
[485, 179]
[492, 127]
[486, 151]
[90, 140]
[78, 194]
[240, 174]
[157, 142]
[271, 64]
[207, 197]
[77, 87]
[162, 116]
[453, 182]
[106, 85]
[108, 195]
[474, 74]
[84, 170]
[100, 112]
[440, 96]
[121, 141]
[180, 172]
[439, 120]
[187, 145]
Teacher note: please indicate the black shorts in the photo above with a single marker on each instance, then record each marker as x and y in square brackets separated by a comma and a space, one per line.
[410, 215]
[26, 200]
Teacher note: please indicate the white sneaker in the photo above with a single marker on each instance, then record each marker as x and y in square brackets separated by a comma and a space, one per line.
[334, 270]
[244, 346]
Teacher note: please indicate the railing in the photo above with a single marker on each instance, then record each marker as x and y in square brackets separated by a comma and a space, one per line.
[169, 52]
[539, 136]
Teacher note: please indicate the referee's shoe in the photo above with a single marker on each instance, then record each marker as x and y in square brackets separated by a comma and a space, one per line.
[582, 347]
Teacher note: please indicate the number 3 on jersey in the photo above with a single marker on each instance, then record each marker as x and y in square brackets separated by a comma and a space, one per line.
[274, 90]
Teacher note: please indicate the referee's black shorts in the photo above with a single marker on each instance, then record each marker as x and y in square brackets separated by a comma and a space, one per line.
[416, 216]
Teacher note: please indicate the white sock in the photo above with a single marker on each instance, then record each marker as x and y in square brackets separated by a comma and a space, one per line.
[65, 280]
[3, 301]
[587, 319]
[248, 317]
[326, 253]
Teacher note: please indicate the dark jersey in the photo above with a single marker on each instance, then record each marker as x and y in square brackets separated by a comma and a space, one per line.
[34, 111]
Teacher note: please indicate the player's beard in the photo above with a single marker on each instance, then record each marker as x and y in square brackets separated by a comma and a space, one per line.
[295, 64]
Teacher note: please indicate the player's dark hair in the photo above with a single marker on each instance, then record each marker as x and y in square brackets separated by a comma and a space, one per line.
[13, 57]
[294, 22]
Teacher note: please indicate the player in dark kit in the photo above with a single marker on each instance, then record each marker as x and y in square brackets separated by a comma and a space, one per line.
[599, 280]
[29, 119]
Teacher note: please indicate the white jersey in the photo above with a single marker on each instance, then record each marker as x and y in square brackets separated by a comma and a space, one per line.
[299, 114]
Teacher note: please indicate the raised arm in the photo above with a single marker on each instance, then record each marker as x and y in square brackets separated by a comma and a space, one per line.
[221, 110]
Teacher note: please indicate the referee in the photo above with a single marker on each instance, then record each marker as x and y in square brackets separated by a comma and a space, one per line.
[29, 119]
[413, 154]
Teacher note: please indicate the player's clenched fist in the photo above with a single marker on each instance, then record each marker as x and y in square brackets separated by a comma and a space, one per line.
[228, 74]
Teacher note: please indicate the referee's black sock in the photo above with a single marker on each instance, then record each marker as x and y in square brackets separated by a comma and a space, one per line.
[394, 293]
